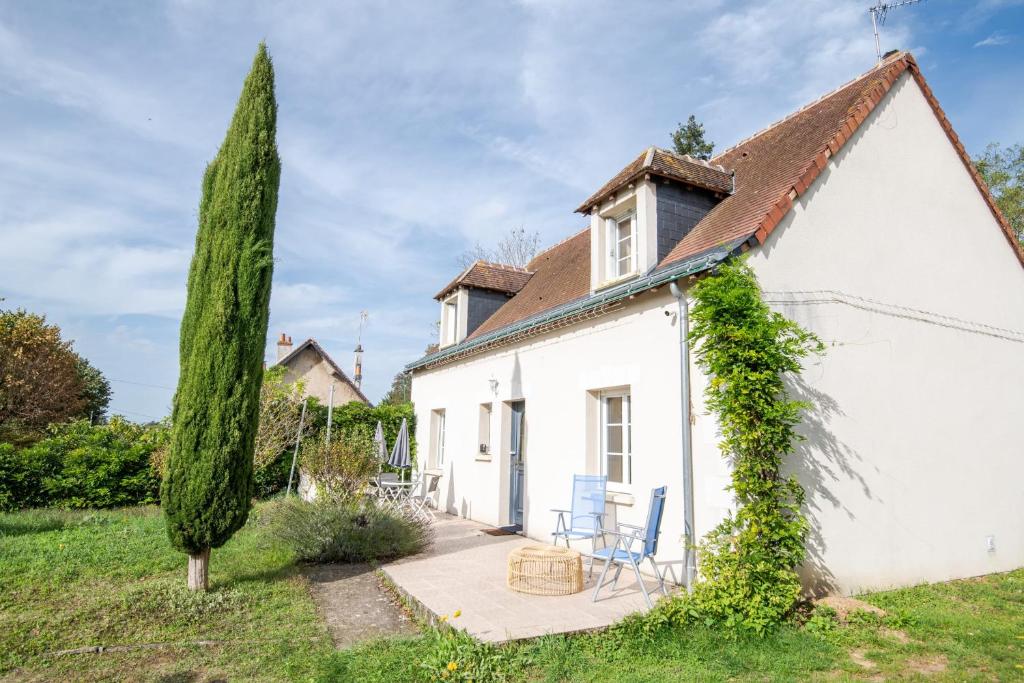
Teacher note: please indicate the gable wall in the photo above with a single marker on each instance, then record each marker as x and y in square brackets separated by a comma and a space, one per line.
[317, 377]
[914, 451]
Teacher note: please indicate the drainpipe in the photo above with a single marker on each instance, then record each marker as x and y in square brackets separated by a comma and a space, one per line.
[684, 399]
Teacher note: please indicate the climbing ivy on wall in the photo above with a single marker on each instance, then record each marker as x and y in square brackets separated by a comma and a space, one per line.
[748, 562]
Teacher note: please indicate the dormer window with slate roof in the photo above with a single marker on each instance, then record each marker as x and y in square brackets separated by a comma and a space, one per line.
[474, 296]
[638, 216]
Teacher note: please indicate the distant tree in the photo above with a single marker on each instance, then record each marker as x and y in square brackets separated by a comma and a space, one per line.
[39, 377]
[517, 248]
[1003, 171]
[96, 391]
[401, 390]
[689, 139]
[208, 490]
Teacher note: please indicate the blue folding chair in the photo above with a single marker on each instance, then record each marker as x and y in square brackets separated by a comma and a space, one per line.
[622, 554]
[586, 517]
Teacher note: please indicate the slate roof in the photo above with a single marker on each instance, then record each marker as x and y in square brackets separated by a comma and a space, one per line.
[772, 169]
[560, 274]
[496, 277]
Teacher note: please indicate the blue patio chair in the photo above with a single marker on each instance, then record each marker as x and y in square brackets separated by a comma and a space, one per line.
[622, 553]
[586, 517]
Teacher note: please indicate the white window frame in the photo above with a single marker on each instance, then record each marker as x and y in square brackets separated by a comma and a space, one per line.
[627, 435]
[614, 244]
[450, 320]
[439, 436]
[484, 437]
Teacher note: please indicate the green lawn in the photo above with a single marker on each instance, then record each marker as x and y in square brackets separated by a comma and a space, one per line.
[69, 580]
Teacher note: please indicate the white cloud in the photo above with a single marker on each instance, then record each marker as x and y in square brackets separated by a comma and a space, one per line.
[994, 40]
[407, 130]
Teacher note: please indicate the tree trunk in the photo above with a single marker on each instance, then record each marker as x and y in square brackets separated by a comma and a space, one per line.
[199, 571]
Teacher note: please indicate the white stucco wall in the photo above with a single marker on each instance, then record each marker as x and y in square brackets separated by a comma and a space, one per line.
[555, 374]
[915, 455]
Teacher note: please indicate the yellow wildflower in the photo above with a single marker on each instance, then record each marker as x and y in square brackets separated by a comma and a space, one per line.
[443, 618]
[452, 666]
[458, 613]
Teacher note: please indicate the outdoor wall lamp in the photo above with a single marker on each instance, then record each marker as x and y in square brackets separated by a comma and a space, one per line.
[494, 385]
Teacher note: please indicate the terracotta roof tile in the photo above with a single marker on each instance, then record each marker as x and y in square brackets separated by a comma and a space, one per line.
[778, 164]
[666, 164]
[772, 168]
[494, 276]
[560, 274]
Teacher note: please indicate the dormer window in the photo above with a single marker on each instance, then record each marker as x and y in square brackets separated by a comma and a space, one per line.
[621, 242]
[450, 321]
[645, 210]
[474, 296]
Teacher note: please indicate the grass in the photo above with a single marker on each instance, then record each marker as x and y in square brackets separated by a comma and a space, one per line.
[74, 579]
[77, 579]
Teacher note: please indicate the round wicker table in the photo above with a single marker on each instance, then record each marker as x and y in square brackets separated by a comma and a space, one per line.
[545, 570]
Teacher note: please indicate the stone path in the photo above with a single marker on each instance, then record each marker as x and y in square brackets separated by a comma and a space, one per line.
[354, 605]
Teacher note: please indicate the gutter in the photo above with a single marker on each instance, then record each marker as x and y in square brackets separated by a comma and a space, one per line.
[689, 565]
[583, 305]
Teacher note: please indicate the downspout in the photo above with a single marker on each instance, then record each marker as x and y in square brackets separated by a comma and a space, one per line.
[689, 565]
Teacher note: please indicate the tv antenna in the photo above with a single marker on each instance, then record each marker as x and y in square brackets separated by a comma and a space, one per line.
[878, 12]
[363, 317]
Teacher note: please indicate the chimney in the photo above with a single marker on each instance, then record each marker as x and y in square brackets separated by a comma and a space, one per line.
[284, 346]
[358, 374]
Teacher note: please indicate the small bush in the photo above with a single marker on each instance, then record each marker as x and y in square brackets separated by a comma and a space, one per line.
[329, 530]
[341, 468]
[454, 655]
[823, 620]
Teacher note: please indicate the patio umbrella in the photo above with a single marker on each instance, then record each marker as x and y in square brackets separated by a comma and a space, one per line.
[380, 447]
[400, 453]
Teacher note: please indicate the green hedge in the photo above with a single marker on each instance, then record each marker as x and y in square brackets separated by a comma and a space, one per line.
[359, 416]
[83, 466]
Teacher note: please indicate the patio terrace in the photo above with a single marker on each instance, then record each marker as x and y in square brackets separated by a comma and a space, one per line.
[465, 569]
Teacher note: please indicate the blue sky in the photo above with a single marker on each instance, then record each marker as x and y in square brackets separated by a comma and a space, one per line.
[408, 131]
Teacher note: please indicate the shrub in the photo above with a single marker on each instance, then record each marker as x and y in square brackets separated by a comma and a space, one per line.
[356, 416]
[342, 467]
[83, 466]
[335, 531]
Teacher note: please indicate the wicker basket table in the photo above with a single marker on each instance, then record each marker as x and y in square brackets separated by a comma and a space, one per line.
[545, 570]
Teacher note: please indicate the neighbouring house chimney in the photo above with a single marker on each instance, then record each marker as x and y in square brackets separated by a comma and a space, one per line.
[284, 346]
[358, 374]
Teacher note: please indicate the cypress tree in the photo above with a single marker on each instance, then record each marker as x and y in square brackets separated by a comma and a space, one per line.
[208, 489]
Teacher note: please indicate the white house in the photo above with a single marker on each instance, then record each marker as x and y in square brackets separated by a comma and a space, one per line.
[866, 223]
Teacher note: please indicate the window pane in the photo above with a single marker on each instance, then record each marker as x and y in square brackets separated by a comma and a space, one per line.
[614, 439]
[615, 468]
[614, 410]
[623, 267]
[625, 229]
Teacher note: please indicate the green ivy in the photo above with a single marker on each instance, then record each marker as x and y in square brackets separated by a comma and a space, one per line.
[748, 562]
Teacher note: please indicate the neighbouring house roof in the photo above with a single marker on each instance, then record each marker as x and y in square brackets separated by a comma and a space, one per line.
[663, 163]
[335, 369]
[496, 277]
[772, 169]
